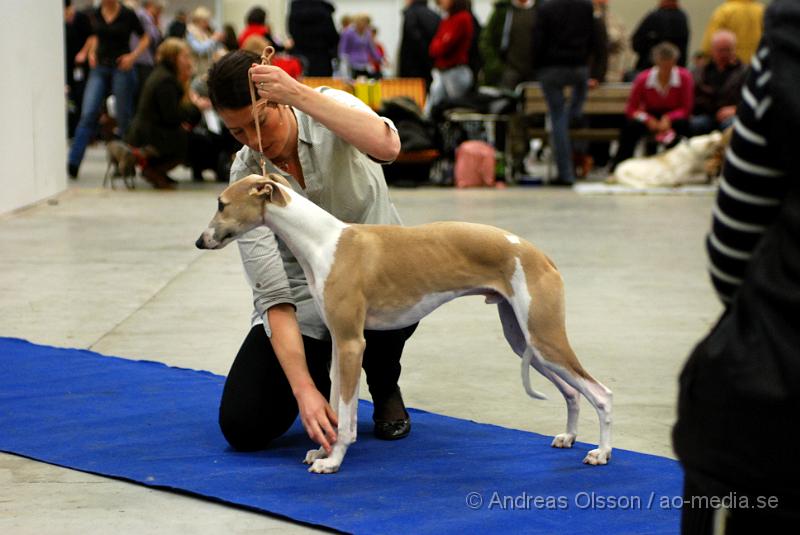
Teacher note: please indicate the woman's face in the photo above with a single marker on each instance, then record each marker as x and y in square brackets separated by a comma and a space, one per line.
[274, 124]
[665, 65]
[184, 65]
[445, 5]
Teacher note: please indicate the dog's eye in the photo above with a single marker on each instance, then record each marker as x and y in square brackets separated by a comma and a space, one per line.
[220, 206]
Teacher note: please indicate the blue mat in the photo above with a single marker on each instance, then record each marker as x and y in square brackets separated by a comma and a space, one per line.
[155, 425]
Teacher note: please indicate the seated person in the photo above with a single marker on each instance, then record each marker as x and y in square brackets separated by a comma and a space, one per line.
[163, 111]
[717, 86]
[660, 103]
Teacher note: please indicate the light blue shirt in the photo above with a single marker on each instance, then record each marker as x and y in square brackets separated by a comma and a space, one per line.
[340, 179]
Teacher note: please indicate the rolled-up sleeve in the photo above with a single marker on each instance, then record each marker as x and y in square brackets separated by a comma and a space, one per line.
[263, 268]
[261, 259]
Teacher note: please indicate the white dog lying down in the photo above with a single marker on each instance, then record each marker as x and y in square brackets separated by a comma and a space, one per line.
[683, 164]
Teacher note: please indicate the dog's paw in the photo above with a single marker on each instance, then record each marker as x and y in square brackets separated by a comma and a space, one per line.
[325, 466]
[313, 455]
[598, 456]
[564, 440]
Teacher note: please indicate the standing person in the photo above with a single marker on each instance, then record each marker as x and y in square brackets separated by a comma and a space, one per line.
[718, 86]
[329, 146]
[177, 28]
[620, 57]
[77, 30]
[357, 48]
[736, 434]
[111, 62]
[449, 49]
[744, 18]
[668, 22]
[564, 37]
[203, 40]
[256, 24]
[660, 104]
[506, 43]
[419, 26]
[148, 14]
[314, 35]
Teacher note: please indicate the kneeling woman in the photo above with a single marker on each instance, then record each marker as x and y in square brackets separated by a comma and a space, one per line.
[164, 112]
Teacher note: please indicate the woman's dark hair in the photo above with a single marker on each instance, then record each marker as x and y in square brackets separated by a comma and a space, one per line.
[459, 5]
[228, 84]
[256, 16]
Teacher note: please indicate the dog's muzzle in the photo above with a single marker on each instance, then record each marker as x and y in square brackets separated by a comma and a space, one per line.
[201, 242]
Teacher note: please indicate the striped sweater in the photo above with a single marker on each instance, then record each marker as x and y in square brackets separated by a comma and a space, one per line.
[752, 185]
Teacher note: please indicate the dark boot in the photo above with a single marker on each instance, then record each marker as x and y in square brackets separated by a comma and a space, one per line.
[156, 174]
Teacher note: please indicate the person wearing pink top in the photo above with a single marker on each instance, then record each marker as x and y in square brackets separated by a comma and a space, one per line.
[659, 105]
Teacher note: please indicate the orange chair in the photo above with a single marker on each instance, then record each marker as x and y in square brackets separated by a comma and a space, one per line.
[333, 83]
[413, 88]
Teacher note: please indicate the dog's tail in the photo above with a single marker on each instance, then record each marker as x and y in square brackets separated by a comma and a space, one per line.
[527, 358]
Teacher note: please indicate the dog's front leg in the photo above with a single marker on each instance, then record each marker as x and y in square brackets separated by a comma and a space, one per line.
[345, 373]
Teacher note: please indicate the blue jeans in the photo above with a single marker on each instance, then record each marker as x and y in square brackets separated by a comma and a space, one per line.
[553, 81]
[704, 124]
[102, 79]
[447, 85]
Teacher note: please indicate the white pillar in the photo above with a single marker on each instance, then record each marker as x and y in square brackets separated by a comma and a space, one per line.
[32, 103]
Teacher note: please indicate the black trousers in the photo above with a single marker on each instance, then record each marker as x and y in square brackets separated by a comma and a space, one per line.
[633, 131]
[257, 403]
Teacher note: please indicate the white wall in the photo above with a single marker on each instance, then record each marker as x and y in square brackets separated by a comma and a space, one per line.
[32, 103]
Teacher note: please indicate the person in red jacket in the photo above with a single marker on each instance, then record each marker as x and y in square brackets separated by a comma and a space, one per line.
[449, 49]
[660, 103]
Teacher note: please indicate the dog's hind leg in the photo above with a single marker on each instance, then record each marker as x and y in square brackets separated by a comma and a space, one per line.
[547, 331]
[518, 342]
[347, 332]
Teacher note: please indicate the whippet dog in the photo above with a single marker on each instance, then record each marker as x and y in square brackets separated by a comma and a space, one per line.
[383, 277]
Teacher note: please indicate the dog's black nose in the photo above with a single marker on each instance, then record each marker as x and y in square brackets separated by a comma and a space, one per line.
[200, 244]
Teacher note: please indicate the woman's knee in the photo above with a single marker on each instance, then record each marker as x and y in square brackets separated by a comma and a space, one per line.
[249, 435]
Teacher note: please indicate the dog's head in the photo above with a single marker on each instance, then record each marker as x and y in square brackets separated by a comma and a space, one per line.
[243, 206]
[704, 146]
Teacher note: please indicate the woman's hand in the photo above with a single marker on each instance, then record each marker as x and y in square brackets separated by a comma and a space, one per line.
[125, 62]
[201, 103]
[317, 416]
[275, 85]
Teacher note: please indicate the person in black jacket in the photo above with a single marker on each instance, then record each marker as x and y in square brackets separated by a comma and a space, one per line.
[419, 26]
[737, 433]
[315, 37]
[668, 23]
[564, 37]
[163, 109]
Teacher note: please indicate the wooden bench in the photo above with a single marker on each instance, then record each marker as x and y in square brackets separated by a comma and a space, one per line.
[607, 99]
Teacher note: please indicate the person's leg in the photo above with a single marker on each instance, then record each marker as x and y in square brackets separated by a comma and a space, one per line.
[436, 94]
[701, 124]
[381, 364]
[457, 81]
[257, 404]
[124, 88]
[629, 137]
[93, 96]
[552, 81]
[579, 85]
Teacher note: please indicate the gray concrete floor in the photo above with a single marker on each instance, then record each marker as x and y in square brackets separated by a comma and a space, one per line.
[117, 272]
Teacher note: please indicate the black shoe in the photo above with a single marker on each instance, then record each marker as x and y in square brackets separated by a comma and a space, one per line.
[561, 183]
[72, 171]
[393, 429]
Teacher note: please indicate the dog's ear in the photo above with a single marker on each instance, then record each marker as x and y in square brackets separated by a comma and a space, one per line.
[261, 188]
[269, 189]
